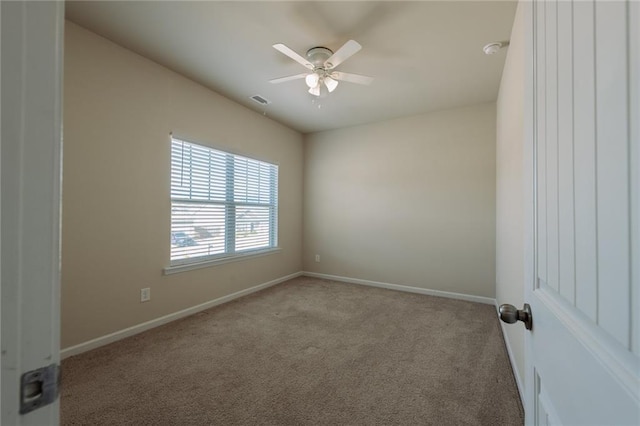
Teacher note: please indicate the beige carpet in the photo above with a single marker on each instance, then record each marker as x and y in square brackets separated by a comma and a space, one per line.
[305, 352]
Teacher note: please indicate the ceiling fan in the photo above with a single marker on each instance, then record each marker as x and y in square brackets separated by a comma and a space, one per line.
[322, 63]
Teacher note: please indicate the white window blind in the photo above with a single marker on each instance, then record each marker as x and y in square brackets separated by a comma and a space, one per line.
[221, 204]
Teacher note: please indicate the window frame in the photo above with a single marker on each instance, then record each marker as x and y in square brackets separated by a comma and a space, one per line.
[230, 206]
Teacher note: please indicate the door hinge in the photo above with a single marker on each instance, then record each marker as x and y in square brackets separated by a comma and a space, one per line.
[39, 388]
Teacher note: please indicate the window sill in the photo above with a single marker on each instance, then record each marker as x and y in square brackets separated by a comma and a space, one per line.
[175, 269]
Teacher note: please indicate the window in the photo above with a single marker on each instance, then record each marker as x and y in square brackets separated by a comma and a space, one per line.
[222, 204]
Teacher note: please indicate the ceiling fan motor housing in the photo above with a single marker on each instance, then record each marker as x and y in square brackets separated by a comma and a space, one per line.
[318, 55]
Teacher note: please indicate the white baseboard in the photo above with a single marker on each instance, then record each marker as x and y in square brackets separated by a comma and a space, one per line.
[405, 288]
[139, 328]
[512, 359]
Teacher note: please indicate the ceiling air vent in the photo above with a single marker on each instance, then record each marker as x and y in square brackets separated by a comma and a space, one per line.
[259, 99]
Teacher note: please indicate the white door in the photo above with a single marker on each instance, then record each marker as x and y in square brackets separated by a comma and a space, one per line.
[31, 111]
[583, 271]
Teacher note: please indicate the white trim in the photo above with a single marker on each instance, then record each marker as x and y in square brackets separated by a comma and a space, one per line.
[174, 269]
[139, 328]
[405, 288]
[512, 358]
[32, 52]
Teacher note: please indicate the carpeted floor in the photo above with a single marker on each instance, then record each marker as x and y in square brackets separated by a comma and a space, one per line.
[305, 352]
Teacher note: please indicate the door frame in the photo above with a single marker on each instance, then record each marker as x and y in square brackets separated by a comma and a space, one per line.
[529, 191]
[30, 177]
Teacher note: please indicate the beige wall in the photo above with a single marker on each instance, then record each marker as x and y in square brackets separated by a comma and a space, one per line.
[509, 188]
[409, 201]
[118, 111]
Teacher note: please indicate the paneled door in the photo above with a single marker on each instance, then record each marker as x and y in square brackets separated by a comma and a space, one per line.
[582, 172]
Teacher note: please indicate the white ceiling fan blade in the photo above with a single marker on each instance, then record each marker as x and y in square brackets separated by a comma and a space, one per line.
[293, 55]
[342, 54]
[352, 78]
[288, 78]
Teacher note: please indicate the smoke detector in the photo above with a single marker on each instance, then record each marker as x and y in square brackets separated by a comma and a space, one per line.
[494, 47]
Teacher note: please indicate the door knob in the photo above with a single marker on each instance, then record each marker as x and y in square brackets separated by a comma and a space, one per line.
[509, 314]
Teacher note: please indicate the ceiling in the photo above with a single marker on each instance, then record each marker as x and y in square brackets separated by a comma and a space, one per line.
[424, 55]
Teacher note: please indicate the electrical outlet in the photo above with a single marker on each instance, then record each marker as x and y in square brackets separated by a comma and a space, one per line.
[145, 294]
[318, 258]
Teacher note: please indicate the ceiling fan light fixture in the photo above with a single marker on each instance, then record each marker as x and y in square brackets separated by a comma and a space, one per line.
[312, 80]
[315, 90]
[330, 83]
